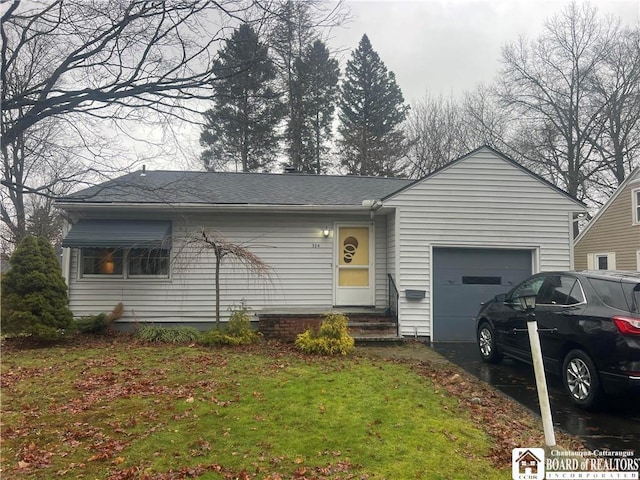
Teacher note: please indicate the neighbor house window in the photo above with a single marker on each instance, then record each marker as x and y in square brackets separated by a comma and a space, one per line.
[601, 261]
[636, 206]
[127, 263]
[102, 261]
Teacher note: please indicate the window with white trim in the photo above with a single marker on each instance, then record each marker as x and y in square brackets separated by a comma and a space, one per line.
[601, 261]
[636, 206]
[124, 263]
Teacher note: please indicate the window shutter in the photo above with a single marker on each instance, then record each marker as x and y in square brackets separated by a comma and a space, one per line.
[590, 261]
[611, 260]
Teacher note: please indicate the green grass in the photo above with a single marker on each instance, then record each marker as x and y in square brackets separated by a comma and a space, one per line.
[126, 411]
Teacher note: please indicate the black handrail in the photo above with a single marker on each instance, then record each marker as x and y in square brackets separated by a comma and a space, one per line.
[392, 301]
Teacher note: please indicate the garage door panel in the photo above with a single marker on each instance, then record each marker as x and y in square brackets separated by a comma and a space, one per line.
[463, 279]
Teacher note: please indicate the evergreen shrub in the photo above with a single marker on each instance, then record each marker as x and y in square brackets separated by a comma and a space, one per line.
[238, 331]
[332, 338]
[34, 293]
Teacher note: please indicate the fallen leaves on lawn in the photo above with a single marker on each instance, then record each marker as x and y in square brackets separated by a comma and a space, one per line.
[509, 424]
[342, 470]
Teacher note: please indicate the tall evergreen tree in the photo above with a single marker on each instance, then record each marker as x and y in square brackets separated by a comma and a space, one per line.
[241, 128]
[318, 75]
[371, 111]
[292, 34]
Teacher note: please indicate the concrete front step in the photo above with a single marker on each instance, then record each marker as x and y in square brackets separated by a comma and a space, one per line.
[378, 340]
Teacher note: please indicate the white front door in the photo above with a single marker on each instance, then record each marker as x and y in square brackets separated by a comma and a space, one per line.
[355, 285]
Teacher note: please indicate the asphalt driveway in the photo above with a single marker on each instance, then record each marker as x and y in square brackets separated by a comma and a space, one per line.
[616, 427]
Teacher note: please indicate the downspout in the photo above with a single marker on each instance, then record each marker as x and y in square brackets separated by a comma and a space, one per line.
[66, 258]
[374, 206]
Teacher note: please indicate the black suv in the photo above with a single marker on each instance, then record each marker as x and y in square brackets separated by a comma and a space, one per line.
[589, 327]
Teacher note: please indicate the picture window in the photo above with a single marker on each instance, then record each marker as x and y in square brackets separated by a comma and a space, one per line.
[125, 263]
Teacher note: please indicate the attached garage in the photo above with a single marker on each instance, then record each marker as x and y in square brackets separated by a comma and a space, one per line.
[465, 277]
[467, 232]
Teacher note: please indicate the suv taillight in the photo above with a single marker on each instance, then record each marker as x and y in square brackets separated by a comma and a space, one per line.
[627, 325]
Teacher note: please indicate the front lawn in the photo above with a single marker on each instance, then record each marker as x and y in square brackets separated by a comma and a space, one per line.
[124, 410]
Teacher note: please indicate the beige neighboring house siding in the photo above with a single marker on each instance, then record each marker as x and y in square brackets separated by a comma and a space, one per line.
[613, 232]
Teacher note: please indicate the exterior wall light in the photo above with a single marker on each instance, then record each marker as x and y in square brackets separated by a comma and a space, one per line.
[325, 232]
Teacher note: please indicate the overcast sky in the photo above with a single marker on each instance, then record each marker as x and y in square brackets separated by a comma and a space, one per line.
[441, 46]
[449, 46]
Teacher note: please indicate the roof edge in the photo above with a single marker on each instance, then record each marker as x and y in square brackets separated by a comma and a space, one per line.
[632, 177]
[75, 206]
[503, 157]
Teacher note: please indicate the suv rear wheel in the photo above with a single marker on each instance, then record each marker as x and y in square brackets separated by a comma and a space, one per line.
[580, 379]
[487, 344]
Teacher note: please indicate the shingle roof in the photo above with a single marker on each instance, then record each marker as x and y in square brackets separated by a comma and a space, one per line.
[224, 188]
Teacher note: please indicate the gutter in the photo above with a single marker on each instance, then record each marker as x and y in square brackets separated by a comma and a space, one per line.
[81, 206]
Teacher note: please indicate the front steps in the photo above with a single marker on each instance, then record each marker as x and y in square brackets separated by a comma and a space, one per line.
[368, 326]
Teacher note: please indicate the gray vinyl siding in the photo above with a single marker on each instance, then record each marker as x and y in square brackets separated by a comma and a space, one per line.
[301, 275]
[613, 232]
[480, 201]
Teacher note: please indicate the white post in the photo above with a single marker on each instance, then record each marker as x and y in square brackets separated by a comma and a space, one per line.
[541, 381]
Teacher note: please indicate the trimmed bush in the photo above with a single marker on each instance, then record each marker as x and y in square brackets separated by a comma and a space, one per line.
[151, 333]
[238, 331]
[34, 293]
[332, 338]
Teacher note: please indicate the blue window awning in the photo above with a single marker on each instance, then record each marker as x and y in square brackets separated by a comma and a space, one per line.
[119, 234]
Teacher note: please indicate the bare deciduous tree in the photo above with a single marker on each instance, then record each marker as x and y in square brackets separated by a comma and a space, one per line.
[436, 134]
[68, 63]
[617, 85]
[223, 249]
[548, 86]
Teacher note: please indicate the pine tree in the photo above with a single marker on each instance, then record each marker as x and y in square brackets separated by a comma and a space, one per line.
[241, 128]
[318, 75]
[34, 293]
[291, 36]
[371, 111]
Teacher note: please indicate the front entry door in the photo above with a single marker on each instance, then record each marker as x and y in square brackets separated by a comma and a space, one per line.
[354, 266]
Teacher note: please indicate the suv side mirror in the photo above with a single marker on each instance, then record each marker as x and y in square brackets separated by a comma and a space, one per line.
[502, 297]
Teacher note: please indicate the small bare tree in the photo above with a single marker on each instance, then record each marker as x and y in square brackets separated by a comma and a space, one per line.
[205, 240]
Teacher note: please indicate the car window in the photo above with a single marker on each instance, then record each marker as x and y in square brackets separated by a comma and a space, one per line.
[576, 294]
[632, 294]
[560, 290]
[531, 284]
[610, 293]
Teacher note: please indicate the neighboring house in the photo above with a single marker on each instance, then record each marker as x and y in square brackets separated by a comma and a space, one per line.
[447, 242]
[611, 240]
